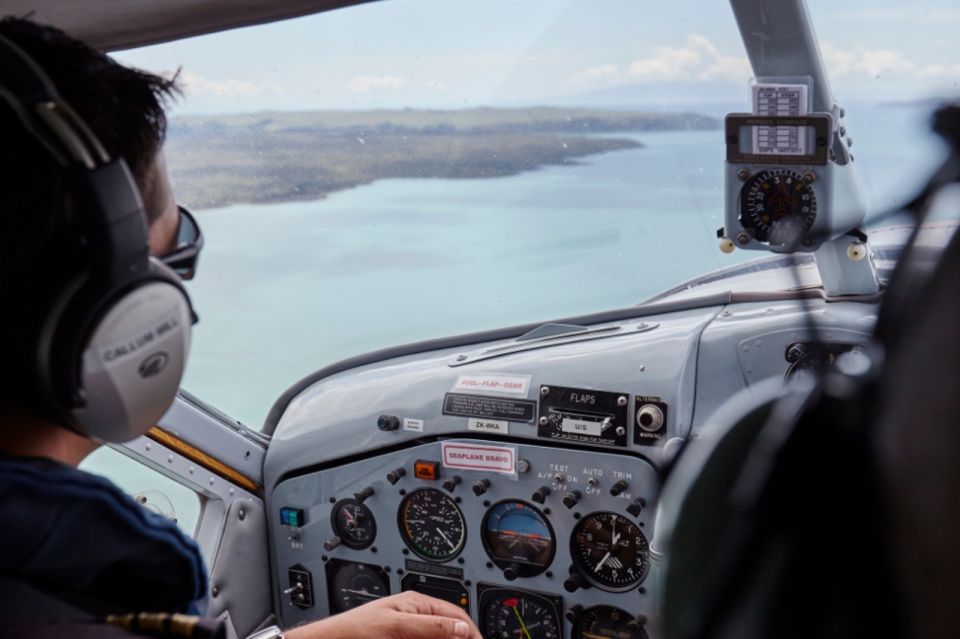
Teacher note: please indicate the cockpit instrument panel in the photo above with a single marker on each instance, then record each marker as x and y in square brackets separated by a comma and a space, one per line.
[516, 549]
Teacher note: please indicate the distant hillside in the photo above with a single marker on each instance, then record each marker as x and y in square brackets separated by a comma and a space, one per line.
[273, 157]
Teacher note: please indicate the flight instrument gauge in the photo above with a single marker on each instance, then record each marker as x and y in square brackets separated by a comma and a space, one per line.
[518, 538]
[353, 523]
[517, 614]
[610, 551]
[431, 524]
[351, 584]
[607, 622]
[778, 206]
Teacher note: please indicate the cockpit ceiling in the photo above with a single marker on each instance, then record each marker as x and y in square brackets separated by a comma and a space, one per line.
[121, 24]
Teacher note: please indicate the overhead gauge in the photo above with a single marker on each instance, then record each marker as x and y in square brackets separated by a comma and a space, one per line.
[607, 622]
[518, 538]
[778, 206]
[351, 584]
[517, 614]
[353, 523]
[610, 551]
[431, 524]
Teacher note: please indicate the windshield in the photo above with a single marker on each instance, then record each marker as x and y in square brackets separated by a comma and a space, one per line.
[404, 170]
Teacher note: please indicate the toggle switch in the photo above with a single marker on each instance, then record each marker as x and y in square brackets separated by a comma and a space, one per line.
[452, 483]
[481, 487]
[570, 499]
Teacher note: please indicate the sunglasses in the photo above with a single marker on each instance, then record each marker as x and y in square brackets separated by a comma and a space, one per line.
[185, 254]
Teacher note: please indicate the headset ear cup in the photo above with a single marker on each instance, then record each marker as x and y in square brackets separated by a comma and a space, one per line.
[135, 358]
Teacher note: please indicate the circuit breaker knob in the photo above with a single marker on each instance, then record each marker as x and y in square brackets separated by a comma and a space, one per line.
[452, 483]
[481, 487]
[650, 418]
[394, 475]
[636, 506]
[573, 613]
[332, 543]
[363, 494]
[618, 487]
[388, 422]
[511, 572]
[540, 495]
[575, 581]
[570, 499]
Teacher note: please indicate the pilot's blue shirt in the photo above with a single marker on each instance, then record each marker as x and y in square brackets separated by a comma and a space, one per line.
[78, 537]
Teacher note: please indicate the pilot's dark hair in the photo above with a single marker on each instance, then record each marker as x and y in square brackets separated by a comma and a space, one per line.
[125, 109]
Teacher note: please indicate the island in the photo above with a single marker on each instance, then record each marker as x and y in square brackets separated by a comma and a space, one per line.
[219, 160]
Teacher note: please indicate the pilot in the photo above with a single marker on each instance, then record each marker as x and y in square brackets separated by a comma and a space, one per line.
[75, 548]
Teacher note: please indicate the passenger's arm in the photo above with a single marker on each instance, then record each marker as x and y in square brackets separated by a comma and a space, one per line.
[409, 615]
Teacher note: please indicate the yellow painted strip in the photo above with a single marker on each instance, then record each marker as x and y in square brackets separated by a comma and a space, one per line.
[197, 456]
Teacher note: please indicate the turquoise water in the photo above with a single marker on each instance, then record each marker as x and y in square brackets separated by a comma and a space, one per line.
[284, 289]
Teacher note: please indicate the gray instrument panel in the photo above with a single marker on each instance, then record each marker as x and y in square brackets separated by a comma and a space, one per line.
[563, 470]
[329, 444]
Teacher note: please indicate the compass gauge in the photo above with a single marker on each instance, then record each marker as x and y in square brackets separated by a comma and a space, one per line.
[778, 206]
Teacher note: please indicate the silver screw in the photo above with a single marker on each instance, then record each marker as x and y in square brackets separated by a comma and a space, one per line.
[743, 238]
[523, 466]
[544, 390]
[621, 431]
[809, 177]
[743, 174]
[622, 400]
[543, 421]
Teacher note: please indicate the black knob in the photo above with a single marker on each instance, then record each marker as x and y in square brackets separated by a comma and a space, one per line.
[331, 543]
[452, 483]
[394, 475]
[636, 506]
[574, 581]
[481, 487]
[618, 487]
[570, 499]
[363, 494]
[637, 622]
[541, 495]
[573, 613]
[388, 422]
[511, 572]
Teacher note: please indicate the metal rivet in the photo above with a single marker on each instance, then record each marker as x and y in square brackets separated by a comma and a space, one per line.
[169, 459]
[242, 514]
[622, 400]
[743, 174]
[191, 469]
[543, 421]
[211, 481]
[643, 367]
[461, 357]
[544, 390]
[215, 591]
[743, 238]
[147, 447]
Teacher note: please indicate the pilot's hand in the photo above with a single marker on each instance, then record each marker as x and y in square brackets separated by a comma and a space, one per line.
[408, 615]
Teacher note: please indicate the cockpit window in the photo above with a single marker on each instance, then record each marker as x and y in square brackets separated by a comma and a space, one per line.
[398, 171]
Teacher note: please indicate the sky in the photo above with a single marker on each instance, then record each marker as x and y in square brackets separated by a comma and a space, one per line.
[465, 53]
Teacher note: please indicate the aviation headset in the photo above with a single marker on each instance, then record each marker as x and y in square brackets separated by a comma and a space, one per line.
[105, 357]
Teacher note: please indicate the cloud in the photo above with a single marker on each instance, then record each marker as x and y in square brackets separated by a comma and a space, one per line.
[435, 85]
[697, 59]
[861, 61]
[196, 84]
[365, 83]
[700, 59]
